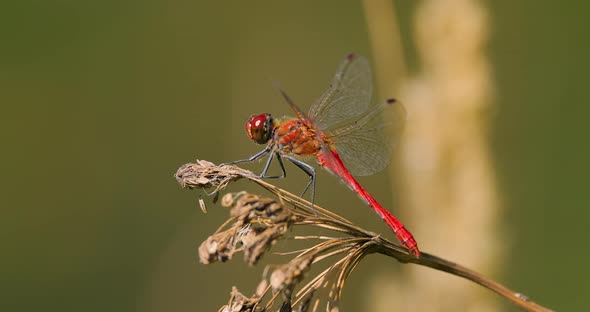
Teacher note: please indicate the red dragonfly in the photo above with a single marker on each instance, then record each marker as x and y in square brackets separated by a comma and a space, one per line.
[340, 128]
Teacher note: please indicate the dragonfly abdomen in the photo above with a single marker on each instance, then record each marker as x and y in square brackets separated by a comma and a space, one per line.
[338, 168]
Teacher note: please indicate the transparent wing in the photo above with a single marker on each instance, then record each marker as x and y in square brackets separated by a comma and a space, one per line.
[365, 145]
[294, 107]
[348, 96]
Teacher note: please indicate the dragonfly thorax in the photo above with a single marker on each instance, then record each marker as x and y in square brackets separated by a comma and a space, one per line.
[259, 128]
[296, 137]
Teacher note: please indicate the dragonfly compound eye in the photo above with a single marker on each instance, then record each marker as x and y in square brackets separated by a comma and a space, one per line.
[259, 128]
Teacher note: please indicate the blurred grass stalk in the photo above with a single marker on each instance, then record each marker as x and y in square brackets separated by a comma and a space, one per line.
[448, 192]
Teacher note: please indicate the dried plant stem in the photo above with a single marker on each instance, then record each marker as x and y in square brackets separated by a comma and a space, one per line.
[358, 243]
[444, 265]
[399, 253]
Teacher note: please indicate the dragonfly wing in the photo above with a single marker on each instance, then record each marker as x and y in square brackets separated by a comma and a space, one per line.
[363, 155]
[348, 96]
[294, 107]
[365, 145]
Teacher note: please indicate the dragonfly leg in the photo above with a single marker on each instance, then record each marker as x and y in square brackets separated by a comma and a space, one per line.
[310, 170]
[266, 150]
[254, 157]
[267, 165]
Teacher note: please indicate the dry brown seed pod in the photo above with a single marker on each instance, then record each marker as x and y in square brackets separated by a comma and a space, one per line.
[286, 276]
[218, 247]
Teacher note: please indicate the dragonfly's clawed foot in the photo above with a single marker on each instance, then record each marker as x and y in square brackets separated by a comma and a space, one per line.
[315, 212]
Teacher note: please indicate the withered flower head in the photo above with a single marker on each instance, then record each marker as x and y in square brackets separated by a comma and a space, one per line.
[286, 276]
[240, 303]
[218, 247]
[204, 174]
[257, 210]
[259, 223]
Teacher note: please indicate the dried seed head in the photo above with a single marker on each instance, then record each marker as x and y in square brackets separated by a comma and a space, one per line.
[218, 247]
[229, 199]
[258, 240]
[260, 222]
[265, 219]
[239, 302]
[285, 277]
[205, 174]
[249, 208]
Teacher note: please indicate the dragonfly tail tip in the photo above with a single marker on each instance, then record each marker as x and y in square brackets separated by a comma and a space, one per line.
[414, 250]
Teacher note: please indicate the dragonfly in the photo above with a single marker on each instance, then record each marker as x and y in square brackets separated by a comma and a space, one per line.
[342, 131]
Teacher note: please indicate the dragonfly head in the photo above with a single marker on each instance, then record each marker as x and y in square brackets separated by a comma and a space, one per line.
[259, 128]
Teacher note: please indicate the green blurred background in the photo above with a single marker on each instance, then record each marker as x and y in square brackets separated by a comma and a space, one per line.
[103, 100]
